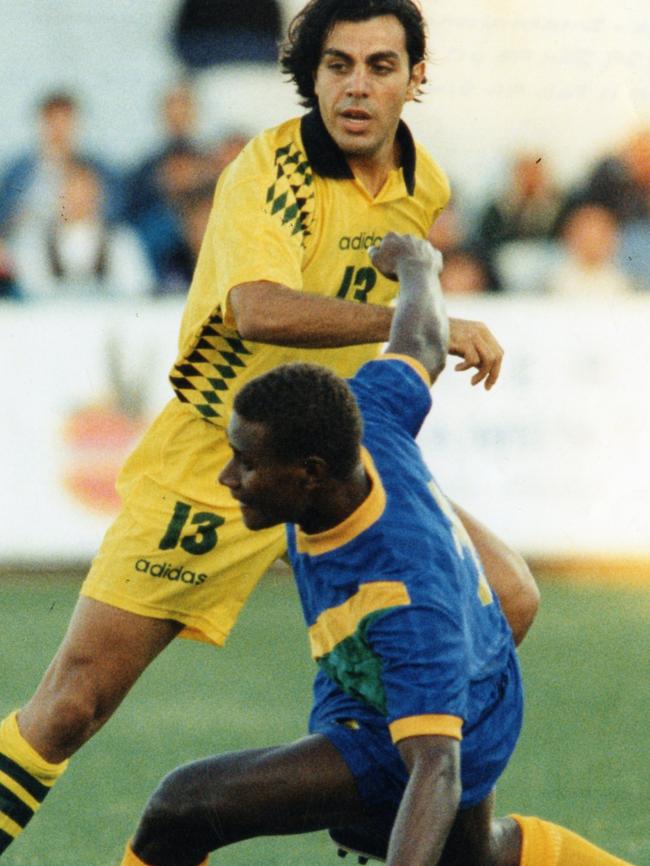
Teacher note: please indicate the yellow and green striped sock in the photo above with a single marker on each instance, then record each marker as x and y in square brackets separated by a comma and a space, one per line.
[25, 780]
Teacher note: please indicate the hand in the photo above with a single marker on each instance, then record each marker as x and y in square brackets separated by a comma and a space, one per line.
[477, 346]
[396, 250]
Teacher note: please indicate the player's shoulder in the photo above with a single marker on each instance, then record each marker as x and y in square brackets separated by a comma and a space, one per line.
[431, 179]
[260, 156]
[396, 367]
[393, 386]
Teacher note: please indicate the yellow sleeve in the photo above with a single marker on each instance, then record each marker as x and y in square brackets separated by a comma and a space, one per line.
[254, 238]
[428, 725]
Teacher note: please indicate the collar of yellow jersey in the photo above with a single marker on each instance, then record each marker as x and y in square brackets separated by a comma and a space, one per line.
[327, 160]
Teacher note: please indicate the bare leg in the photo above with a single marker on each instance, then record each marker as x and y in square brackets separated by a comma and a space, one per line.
[208, 804]
[478, 838]
[102, 655]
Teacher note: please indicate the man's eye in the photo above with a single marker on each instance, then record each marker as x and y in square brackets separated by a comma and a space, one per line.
[382, 70]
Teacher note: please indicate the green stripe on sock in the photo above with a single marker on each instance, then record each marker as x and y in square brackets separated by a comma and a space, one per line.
[27, 781]
[13, 807]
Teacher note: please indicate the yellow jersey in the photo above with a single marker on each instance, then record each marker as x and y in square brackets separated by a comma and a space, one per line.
[288, 210]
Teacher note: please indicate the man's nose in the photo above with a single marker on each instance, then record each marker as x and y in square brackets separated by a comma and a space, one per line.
[226, 476]
[357, 84]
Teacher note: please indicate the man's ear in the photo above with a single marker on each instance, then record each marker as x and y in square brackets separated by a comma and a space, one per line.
[316, 471]
[418, 78]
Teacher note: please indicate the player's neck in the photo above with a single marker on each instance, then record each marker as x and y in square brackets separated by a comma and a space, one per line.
[337, 502]
[372, 171]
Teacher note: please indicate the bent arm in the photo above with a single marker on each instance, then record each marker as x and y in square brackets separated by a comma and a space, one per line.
[430, 801]
[271, 313]
[507, 573]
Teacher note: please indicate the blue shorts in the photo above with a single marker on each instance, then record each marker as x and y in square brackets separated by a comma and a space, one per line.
[362, 737]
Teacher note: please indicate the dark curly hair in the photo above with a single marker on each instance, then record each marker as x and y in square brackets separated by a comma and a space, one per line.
[301, 52]
[308, 411]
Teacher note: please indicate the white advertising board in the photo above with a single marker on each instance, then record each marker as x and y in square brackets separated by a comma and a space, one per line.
[556, 457]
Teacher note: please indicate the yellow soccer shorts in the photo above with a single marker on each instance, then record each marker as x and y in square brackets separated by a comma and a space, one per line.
[179, 549]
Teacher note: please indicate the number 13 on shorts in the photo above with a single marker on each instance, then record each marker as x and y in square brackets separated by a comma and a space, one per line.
[204, 537]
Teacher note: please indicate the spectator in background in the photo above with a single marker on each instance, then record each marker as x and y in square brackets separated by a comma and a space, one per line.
[172, 227]
[78, 253]
[179, 260]
[526, 209]
[178, 118]
[515, 231]
[182, 170]
[30, 186]
[588, 268]
[8, 286]
[449, 232]
[634, 252]
[226, 149]
[227, 31]
[466, 270]
[621, 182]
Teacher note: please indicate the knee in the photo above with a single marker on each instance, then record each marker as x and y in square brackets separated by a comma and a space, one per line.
[173, 802]
[175, 826]
[73, 703]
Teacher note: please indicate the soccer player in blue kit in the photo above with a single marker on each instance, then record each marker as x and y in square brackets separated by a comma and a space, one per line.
[418, 699]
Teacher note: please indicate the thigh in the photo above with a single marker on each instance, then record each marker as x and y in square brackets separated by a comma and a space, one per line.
[173, 556]
[295, 788]
[116, 644]
[101, 656]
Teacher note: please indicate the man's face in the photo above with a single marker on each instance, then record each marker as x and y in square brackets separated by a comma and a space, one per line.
[268, 490]
[59, 127]
[362, 82]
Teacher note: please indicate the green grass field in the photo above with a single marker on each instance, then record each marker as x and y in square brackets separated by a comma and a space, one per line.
[583, 760]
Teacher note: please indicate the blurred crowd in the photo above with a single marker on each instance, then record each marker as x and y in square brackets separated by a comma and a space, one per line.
[73, 225]
[532, 236]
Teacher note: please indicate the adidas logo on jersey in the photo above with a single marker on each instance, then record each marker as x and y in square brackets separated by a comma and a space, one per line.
[360, 242]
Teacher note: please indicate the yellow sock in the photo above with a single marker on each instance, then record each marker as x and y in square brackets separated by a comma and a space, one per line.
[132, 859]
[546, 844]
[25, 780]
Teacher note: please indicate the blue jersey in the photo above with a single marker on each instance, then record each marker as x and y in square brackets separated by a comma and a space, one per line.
[400, 614]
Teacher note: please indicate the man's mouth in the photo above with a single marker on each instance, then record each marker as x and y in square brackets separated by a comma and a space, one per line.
[355, 119]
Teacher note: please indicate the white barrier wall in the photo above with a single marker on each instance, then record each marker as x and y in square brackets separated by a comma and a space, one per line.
[556, 457]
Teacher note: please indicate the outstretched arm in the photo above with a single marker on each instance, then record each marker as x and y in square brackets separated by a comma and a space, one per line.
[271, 313]
[419, 327]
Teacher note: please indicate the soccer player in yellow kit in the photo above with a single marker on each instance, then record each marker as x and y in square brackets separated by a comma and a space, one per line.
[283, 275]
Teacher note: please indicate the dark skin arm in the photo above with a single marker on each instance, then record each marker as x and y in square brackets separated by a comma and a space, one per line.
[419, 328]
[418, 331]
[271, 313]
[430, 801]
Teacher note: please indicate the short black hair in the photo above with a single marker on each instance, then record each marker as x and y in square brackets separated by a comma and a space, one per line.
[308, 411]
[301, 52]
